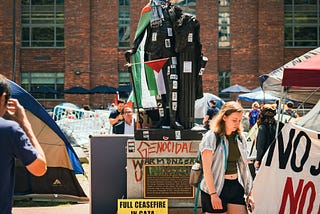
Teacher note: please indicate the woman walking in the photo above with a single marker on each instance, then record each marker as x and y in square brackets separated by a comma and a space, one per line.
[227, 183]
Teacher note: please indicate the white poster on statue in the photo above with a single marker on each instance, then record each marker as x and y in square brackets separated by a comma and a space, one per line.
[288, 180]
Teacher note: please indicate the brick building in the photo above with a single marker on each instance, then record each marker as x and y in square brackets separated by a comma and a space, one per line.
[62, 44]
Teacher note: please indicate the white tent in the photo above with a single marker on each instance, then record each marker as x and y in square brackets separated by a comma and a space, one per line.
[202, 104]
[273, 84]
[312, 119]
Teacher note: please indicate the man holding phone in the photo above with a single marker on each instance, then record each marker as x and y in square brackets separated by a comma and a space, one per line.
[17, 140]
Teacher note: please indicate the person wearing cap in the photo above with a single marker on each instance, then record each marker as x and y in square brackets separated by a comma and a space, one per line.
[115, 116]
[211, 112]
[289, 110]
[266, 131]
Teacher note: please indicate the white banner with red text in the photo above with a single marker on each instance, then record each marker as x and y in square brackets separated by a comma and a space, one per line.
[288, 180]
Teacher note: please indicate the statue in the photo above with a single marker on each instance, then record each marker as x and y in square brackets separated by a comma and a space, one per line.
[165, 33]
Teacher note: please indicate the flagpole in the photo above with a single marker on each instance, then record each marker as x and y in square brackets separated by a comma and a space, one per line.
[140, 119]
[150, 61]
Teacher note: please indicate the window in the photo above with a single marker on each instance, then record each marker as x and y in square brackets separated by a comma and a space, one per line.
[302, 23]
[123, 78]
[188, 6]
[42, 23]
[224, 23]
[124, 24]
[31, 81]
[223, 82]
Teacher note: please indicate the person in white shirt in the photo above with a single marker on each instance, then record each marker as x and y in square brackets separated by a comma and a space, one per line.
[126, 126]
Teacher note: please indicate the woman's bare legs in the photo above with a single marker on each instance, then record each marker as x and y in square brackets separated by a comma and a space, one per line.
[237, 209]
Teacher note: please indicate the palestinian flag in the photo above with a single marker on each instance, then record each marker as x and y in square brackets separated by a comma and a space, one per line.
[148, 83]
[155, 67]
[156, 64]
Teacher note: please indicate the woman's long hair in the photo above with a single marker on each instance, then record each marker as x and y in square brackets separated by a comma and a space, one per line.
[217, 124]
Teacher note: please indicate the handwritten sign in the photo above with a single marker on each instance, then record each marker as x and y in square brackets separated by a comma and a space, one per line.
[289, 174]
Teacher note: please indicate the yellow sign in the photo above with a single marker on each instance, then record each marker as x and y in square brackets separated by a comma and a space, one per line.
[142, 206]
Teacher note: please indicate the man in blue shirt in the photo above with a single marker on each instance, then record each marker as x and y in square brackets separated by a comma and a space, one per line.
[17, 140]
[115, 116]
[211, 112]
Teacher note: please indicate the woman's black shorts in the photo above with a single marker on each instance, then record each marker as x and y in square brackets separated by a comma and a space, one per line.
[232, 193]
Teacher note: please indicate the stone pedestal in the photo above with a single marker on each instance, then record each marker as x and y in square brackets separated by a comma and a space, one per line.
[159, 163]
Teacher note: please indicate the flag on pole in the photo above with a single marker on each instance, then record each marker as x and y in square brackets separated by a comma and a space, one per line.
[156, 64]
[154, 67]
[116, 99]
[137, 69]
[145, 82]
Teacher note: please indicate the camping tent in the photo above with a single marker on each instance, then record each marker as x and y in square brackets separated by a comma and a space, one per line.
[60, 180]
[202, 104]
[299, 78]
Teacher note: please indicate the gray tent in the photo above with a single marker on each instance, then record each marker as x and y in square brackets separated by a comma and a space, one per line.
[312, 119]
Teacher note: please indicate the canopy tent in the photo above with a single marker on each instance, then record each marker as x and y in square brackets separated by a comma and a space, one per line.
[306, 73]
[44, 90]
[235, 89]
[62, 160]
[76, 90]
[256, 89]
[300, 74]
[124, 88]
[259, 96]
[302, 137]
[103, 89]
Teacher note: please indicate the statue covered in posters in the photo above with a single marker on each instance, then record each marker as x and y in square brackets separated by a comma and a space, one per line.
[168, 36]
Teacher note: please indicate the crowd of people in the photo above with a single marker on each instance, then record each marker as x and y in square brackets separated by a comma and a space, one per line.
[121, 119]
[227, 182]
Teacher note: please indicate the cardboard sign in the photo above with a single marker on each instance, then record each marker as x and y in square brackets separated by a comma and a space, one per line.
[143, 206]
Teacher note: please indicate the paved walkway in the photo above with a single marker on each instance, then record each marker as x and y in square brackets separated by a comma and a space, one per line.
[63, 209]
[82, 209]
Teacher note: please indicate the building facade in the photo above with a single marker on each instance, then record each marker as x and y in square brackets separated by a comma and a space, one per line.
[62, 44]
